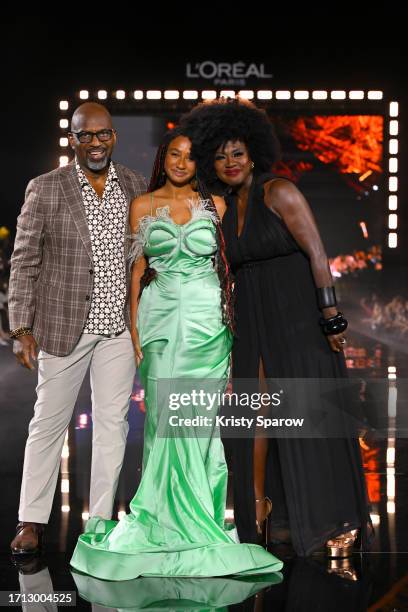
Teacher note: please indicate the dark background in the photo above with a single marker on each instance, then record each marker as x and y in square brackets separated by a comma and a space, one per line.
[45, 62]
[119, 47]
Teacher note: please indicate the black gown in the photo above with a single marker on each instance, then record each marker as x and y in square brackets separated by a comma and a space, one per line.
[317, 486]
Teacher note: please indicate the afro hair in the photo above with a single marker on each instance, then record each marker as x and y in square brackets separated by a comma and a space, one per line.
[213, 124]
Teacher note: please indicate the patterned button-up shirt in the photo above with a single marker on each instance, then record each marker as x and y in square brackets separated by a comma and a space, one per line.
[106, 220]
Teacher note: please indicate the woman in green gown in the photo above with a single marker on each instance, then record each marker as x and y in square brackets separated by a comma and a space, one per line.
[180, 330]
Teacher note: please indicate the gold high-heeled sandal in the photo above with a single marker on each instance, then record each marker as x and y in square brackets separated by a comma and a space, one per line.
[341, 546]
[262, 527]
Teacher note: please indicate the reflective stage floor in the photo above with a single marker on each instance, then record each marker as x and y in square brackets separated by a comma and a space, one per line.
[375, 580]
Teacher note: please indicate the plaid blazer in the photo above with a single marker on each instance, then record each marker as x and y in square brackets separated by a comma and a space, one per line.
[51, 278]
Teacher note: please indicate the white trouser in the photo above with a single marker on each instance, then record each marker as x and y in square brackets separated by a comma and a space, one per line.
[59, 380]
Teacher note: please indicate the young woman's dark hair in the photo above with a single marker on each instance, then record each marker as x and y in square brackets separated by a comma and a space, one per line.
[157, 180]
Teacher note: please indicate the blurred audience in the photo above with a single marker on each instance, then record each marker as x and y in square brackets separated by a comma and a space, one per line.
[357, 261]
[391, 316]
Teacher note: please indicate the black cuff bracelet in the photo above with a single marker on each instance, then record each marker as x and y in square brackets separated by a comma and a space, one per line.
[326, 297]
[334, 325]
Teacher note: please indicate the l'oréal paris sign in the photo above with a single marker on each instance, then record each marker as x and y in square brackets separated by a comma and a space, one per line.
[224, 73]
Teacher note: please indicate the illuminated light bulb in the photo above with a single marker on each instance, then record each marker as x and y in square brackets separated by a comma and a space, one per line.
[208, 94]
[190, 94]
[171, 94]
[301, 95]
[338, 95]
[392, 244]
[283, 95]
[264, 94]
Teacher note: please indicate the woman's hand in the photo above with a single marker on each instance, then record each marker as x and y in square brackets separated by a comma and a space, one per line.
[136, 346]
[337, 342]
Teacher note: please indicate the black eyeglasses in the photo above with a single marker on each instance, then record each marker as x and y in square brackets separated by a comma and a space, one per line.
[87, 137]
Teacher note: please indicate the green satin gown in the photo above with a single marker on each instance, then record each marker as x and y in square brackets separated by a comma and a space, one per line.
[176, 521]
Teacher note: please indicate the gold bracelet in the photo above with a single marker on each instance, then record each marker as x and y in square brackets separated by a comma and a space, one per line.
[20, 331]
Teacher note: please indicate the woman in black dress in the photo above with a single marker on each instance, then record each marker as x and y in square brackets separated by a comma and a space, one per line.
[283, 290]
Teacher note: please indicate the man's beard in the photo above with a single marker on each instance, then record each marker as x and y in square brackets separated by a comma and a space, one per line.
[98, 165]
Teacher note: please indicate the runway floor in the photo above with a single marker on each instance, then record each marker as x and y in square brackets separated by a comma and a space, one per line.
[374, 581]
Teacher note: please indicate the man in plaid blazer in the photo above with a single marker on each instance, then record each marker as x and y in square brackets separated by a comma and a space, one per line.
[67, 307]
